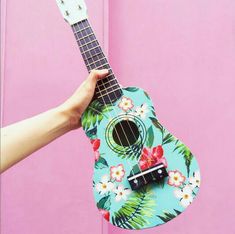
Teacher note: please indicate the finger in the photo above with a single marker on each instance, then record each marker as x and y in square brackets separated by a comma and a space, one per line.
[86, 90]
[97, 74]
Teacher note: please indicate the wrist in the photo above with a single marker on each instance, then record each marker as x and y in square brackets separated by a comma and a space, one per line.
[70, 118]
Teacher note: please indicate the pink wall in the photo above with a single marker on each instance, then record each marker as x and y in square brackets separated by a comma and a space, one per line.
[186, 52]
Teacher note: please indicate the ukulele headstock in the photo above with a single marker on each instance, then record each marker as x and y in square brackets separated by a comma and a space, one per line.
[73, 11]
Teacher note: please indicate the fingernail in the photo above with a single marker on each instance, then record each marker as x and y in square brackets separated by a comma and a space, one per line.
[104, 71]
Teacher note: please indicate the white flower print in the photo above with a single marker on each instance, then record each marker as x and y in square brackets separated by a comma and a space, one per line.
[117, 173]
[105, 185]
[195, 180]
[126, 104]
[121, 193]
[175, 178]
[185, 195]
[142, 110]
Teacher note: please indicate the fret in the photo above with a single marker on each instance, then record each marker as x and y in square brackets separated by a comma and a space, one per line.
[109, 92]
[91, 49]
[87, 36]
[101, 66]
[82, 41]
[108, 77]
[98, 61]
[111, 97]
[106, 80]
[89, 43]
[85, 32]
[94, 59]
[87, 40]
[110, 87]
[82, 29]
[78, 26]
[100, 53]
[92, 53]
[105, 85]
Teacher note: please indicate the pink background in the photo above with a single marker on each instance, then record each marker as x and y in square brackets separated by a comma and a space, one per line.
[182, 52]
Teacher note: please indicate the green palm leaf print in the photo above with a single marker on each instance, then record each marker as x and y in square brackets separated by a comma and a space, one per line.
[132, 152]
[167, 216]
[184, 150]
[134, 213]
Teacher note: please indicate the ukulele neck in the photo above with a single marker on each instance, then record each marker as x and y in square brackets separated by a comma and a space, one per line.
[108, 89]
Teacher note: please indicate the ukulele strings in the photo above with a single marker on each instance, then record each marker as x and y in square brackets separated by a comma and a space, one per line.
[111, 102]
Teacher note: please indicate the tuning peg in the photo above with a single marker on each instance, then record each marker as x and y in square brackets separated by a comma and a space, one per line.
[79, 7]
[67, 13]
[62, 2]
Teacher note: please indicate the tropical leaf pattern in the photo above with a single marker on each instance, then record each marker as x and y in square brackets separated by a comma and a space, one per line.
[167, 138]
[94, 114]
[131, 152]
[92, 133]
[104, 203]
[153, 204]
[156, 124]
[150, 137]
[167, 216]
[136, 210]
[131, 89]
[101, 163]
[184, 150]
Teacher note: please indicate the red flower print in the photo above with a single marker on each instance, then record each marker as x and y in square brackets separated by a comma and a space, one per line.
[152, 157]
[105, 214]
[146, 159]
[158, 152]
[97, 155]
[96, 144]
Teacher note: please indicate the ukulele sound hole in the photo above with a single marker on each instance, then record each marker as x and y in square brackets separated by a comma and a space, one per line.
[125, 133]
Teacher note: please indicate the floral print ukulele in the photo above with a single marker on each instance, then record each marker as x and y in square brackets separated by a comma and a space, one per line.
[128, 140]
[156, 203]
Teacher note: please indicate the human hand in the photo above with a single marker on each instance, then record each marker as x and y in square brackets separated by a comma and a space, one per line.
[74, 106]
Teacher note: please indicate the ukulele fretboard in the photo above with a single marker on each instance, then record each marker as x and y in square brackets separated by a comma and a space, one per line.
[108, 89]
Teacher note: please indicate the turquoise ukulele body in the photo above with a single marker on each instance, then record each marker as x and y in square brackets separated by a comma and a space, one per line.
[156, 203]
[143, 175]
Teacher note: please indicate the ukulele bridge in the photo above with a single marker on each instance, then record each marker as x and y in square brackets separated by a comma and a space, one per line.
[154, 174]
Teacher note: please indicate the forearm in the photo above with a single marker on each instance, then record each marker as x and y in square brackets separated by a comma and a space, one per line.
[23, 138]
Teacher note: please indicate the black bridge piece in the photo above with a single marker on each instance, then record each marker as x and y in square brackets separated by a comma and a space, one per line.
[152, 174]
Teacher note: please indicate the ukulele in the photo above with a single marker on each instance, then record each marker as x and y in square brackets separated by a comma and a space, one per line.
[143, 175]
